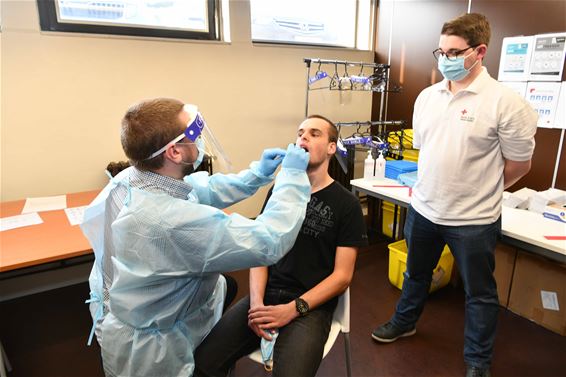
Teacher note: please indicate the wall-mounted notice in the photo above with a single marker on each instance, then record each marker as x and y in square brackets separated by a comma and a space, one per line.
[547, 61]
[519, 87]
[515, 58]
[543, 97]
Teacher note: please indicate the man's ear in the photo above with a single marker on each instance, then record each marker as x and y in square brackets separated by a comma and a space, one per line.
[332, 148]
[482, 51]
[172, 153]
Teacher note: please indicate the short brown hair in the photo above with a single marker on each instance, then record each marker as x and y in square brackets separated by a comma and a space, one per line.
[148, 126]
[473, 27]
[332, 130]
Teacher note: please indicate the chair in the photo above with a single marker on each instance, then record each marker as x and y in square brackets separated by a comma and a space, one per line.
[340, 323]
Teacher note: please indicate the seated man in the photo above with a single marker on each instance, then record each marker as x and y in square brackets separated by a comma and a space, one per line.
[297, 295]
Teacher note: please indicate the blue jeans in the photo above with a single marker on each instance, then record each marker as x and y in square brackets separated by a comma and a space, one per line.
[473, 249]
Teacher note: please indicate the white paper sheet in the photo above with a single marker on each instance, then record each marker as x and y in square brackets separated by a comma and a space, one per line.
[19, 221]
[46, 203]
[515, 58]
[75, 215]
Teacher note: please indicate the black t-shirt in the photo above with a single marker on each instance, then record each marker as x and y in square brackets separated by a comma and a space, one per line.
[334, 218]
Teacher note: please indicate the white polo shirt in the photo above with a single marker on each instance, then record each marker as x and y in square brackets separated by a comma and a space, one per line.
[463, 141]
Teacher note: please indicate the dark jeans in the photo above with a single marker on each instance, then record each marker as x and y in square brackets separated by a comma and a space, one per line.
[298, 349]
[473, 249]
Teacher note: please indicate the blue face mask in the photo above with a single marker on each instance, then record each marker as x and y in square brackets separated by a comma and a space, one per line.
[266, 347]
[200, 146]
[453, 69]
[192, 166]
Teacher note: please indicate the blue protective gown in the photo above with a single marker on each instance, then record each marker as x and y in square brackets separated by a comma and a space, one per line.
[155, 285]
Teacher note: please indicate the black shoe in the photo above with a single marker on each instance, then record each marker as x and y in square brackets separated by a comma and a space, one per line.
[477, 372]
[388, 333]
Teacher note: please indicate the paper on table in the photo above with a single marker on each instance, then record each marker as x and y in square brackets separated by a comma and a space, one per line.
[519, 199]
[18, 221]
[75, 215]
[46, 203]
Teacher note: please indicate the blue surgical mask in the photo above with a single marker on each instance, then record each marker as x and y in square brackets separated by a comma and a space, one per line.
[192, 166]
[200, 146]
[267, 347]
[453, 69]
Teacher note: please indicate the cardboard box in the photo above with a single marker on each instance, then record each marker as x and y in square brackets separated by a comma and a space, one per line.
[555, 211]
[538, 291]
[504, 266]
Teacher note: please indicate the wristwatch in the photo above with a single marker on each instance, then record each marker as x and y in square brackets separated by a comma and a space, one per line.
[302, 306]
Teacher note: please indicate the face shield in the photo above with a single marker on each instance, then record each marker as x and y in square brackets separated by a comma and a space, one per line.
[201, 135]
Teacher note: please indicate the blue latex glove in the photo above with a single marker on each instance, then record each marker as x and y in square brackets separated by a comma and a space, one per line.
[296, 158]
[270, 160]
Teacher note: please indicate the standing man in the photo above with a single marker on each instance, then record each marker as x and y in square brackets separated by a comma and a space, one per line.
[296, 296]
[161, 239]
[476, 137]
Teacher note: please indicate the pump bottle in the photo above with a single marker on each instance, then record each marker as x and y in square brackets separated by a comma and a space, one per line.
[380, 167]
[368, 167]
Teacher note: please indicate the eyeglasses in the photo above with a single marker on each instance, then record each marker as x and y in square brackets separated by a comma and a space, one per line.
[451, 54]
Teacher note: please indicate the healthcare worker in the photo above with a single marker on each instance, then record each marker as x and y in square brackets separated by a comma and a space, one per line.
[476, 138]
[161, 239]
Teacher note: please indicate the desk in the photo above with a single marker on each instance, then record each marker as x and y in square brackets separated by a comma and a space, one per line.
[397, 194]
[53, 240]
[519, 228]
[389, 190]
[526, 230]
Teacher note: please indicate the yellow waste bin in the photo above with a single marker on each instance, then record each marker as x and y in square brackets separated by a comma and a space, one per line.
[398, 266]
[387, 220]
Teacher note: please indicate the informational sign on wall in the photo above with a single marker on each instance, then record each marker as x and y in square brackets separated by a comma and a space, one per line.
[519, 87]
[547, 60]
[532, 66]
[515, 59]
[543, 97]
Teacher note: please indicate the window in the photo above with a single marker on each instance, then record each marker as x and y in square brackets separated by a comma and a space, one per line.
[340, 23]
[191, 19]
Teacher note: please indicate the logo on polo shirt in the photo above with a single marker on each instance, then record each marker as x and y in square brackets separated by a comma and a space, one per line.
[466, 117]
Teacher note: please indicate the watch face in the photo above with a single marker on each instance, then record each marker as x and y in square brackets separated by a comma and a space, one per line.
[302, 306]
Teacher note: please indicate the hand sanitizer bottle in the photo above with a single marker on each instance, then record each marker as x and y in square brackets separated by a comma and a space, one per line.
[380, 167]
[368, 167]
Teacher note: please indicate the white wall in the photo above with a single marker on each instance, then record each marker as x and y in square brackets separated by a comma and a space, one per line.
[63, 95]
